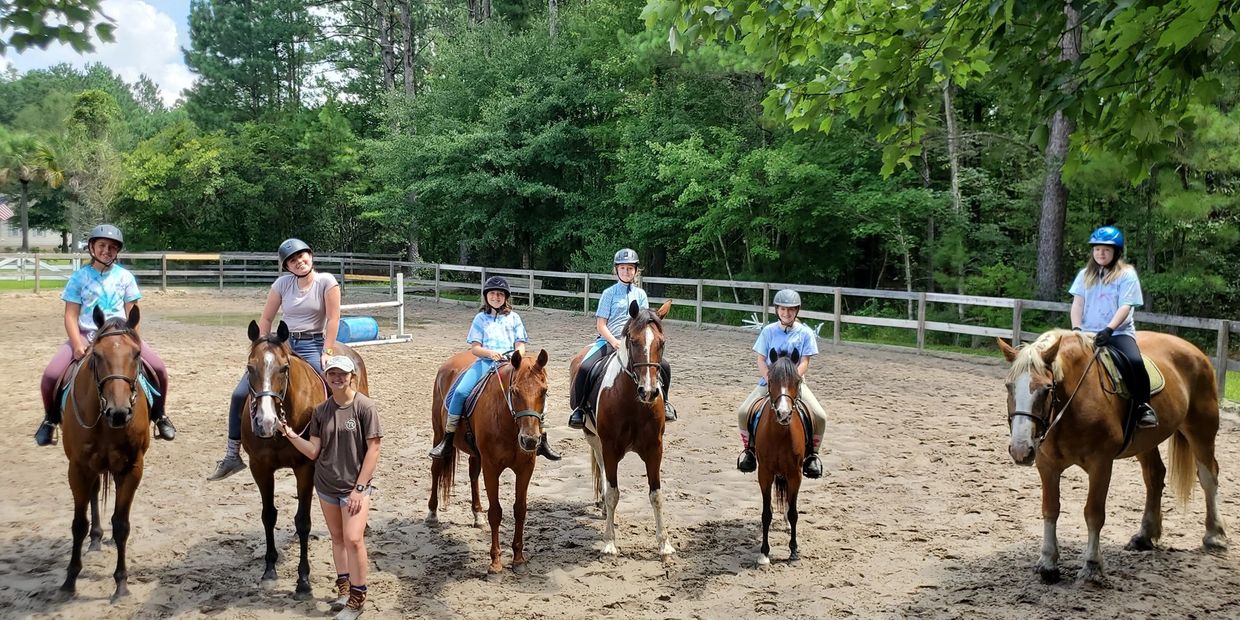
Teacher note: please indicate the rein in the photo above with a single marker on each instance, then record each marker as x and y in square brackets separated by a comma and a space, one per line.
[1052, 418]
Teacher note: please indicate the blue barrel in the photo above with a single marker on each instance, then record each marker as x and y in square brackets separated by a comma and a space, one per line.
[357, 329]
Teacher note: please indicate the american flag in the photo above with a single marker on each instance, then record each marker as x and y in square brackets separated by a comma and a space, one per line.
[5, 211]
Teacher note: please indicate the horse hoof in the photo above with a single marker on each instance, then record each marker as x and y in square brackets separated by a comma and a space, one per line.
[794, 558]
[478, 523]
[120, 593]
[64, 595]
[95, 545]
[764, 560]
[1215, 543]
[521, 569]
[1140, 543]
[610, 549]
[267, 585]
[303, 595]
[432, 518]
[494, 574]
[1091, 575]
[1049, 575]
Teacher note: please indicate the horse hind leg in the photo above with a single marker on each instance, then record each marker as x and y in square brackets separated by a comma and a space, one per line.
[1155, 474]
[432, 504]
[475, 469]
[764, 555]
[611, 499]
[126, 487]
[96, 527]
[1200, 444]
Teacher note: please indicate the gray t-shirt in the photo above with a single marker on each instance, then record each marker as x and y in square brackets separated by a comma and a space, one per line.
[304, 311]
[343, 432]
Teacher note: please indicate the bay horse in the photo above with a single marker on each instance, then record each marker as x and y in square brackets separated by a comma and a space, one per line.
[779, 442]
[104, 431]
[629, 418]
[1062, 412]
[283, 387]
[507, 424]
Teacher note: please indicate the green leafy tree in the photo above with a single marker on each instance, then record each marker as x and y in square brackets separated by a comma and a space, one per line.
[38, 23]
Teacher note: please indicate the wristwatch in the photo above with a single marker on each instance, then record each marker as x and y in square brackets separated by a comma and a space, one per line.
[361, 488]
[329, 351]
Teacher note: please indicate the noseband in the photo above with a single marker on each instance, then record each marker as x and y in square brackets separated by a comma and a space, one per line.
[1050, 418]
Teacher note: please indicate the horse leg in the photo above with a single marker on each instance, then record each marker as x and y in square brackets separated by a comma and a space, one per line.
[656, 502]
[96, 527]
[1155, 474]
[765, 478]
[794, 486]
[518, 513]
[305, 491]
[596, 470]
[475, 468]
[611, 499]
[126, 487]
[495, 514]
[1095, 517]
[1201, 444]
[267, 489]
[1048, 562]
[432, 505]
[79, 483]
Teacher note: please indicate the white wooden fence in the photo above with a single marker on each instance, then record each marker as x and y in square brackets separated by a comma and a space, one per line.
[433, 280]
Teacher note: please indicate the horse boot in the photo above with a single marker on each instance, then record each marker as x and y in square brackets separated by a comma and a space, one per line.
[545, 451]
[812, 467]
[438, 451]
[748, 461]
[1146, 417]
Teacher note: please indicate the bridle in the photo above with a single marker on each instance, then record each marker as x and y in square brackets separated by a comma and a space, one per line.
[507, 391]
[100, 382]
[279, 397]
[1046, 422]
[633, 367]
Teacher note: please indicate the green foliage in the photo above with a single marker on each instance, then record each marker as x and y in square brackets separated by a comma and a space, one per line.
[38, 23]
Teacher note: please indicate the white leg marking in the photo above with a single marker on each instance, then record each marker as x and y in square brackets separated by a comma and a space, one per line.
[660, 535]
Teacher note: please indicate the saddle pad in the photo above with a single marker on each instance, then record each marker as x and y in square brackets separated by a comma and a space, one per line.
[1157, 381]
[472, 399]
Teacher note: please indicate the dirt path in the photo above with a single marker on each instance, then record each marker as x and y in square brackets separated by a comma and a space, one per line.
[921, 513]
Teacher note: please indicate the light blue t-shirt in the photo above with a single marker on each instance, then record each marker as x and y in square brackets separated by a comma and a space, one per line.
[1102, 300]
[613, 305]
[497, 332]
[773, 336]
[109, 291]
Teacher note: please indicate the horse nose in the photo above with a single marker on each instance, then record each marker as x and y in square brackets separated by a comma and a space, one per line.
[1021, 454]
[528, 443]
[118, 416]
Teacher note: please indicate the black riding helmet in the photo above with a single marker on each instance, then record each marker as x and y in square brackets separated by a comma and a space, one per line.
[496, 283]
[291, 248]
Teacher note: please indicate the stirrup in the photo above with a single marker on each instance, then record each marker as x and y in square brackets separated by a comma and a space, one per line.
[578, 419]
[812, 467]
[748, 461]
[1147, 417]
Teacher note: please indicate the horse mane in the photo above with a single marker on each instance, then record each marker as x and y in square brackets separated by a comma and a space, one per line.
[1029, 357]
[645, 316]
[783, 371]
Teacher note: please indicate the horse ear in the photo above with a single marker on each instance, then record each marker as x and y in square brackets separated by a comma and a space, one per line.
[134, 317]
[515, 359]
[253, 330]
[542, 358]
[633, 308]
[796, 356]
[1048, 355]
[282, 332]
[97, 315]
[664, 309]
[1009, 352]
[772, 355]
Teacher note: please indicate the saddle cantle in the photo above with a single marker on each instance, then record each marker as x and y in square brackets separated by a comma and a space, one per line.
[1157, 381]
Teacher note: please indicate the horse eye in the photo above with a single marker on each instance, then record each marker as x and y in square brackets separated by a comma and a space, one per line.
[284, 369]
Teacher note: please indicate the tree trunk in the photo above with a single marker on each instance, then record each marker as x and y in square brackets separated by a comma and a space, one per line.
[486, 9]
[953, 140]
[1054, 193]
[406, 30]
[385, 45]
[553, 16]
[24, 207]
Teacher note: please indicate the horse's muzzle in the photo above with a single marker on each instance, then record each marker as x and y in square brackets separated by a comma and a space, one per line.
[528, 443]
[118, 417]
[1023, 455]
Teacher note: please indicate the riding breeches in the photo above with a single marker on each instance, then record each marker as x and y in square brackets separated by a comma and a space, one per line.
[464, 384]
[804, 394]
[1136, 378]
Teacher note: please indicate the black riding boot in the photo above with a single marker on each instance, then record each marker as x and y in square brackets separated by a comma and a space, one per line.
[1146, 417]
[44, 436]
[544, 449]
[578, 419]
[748, 461]
[438, 451]
[812, 467]
[163, 426]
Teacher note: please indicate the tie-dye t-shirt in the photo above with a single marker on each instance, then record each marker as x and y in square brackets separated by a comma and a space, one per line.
[109, 291]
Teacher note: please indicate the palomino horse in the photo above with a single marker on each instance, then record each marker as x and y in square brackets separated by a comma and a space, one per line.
[779, 442]
[507, 423]
[629, 417]
[1062, 413]
[105, 434]
[283, 387]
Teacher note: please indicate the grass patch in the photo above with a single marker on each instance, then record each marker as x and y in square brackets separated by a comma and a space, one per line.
[28, 285]
[1232, 391]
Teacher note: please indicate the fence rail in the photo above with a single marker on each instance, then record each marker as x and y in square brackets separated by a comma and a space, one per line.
[432, 280]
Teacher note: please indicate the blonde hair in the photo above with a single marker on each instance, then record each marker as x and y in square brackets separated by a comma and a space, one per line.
[1108, 275]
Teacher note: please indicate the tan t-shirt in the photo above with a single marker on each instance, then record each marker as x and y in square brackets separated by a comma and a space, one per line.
[304, 311]
[343, 432]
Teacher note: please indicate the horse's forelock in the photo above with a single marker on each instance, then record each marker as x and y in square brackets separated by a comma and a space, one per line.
[783, 371]
[1029, 357]
[645, 317]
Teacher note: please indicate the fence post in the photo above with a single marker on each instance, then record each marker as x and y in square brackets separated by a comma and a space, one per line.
[436, 281]
[1220, 364]
[221, 272]
[585, 294]
[391, 279]
[400, 298]
[839, 308]
[36, 274]
[766, 304]
[342, 259]
[163, 273]
[698, 318]
[921, 322]
[531, 289]
[482, 281]
[1016, 322]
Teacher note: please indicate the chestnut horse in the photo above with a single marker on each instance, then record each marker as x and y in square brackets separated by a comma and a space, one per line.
[507, 423]
[283, 387]
[104, 432]
[629, 417]
[1061, 413]
[779, 442]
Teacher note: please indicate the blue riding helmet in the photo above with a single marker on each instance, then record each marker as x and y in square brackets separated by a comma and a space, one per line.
[1107, 235]
[626, 257]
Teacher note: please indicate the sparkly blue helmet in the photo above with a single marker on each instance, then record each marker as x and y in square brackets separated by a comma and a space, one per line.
[1107, 235]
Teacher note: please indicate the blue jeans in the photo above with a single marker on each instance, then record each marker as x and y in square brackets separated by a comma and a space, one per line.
[309, 349]
[465, 384]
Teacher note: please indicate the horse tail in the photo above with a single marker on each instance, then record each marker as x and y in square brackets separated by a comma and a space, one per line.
[1183, 468]
[781, 494]
[447, 476]
[104, 479]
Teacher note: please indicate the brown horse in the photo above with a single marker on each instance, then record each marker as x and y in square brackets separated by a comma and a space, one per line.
[283, 387]
[104, 434]
[1062, 413]
[507, 423]
[779, 443]
[629, 417]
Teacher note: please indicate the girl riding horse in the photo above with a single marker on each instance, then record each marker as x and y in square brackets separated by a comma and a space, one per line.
[112, 289]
